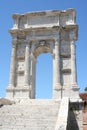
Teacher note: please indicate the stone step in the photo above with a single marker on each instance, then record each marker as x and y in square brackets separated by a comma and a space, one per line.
[30, 115]
[38, 101]
[39, 113]
[27, 128]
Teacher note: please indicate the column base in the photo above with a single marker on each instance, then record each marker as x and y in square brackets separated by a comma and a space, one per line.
[18, 92]
[57, 91]
[75, 87]
[71, 92]
[57, 94]
[57, 87]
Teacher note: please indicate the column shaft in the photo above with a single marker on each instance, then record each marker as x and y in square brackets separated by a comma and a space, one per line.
[73, 63]
[33, 78]
[27, 65]
[56, 66]
[13, 66]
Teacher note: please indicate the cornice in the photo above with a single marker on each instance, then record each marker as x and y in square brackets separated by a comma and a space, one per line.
[26, 30]
[45, 13]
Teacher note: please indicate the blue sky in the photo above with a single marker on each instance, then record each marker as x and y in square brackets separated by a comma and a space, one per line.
[44, 88]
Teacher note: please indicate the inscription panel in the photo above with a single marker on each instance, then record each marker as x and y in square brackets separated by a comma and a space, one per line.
[42, 21]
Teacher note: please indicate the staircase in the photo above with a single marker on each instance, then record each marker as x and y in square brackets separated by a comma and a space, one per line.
[30, 115]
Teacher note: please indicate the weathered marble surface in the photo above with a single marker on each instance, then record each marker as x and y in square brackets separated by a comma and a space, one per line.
[41, 32]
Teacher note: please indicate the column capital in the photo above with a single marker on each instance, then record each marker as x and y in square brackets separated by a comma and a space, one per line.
[57, 86]
[27, 44]
[14, 46]
[72, 41]
[33, 58]
[28, 41]
[56, 41]
[28, 51]
[73, 48]
[14, 42]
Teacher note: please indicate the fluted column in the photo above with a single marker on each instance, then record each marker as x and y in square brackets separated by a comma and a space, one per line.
[56, 66]
[13, 65]
[27, 65]
[73, 63]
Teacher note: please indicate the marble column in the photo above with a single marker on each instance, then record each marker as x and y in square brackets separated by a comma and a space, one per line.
[13, 65]
[73, 63]
[33, 77]
[27, 65]
[56, 66]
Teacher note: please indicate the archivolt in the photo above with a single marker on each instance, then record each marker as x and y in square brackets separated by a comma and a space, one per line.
[42, 49]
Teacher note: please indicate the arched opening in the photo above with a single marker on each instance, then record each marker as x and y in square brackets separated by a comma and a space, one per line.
[44, 77]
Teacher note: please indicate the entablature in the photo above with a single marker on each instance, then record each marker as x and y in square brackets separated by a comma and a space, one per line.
[52, 32]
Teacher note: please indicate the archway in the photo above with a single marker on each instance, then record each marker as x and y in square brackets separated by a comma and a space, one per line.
[52, 32]
[44, 76]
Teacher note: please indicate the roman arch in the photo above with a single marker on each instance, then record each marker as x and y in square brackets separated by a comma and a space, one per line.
[41, 32]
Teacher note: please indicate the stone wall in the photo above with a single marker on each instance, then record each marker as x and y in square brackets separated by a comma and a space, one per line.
[75, 116]
[84, 117]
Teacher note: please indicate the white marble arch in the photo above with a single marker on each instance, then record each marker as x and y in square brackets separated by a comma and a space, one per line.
[42, 32]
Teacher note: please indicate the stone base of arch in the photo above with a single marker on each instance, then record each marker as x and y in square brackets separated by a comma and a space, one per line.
[18, 93]
[71, 93]
[26, 93]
